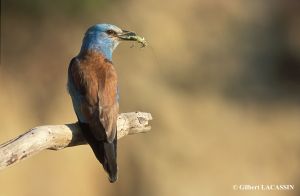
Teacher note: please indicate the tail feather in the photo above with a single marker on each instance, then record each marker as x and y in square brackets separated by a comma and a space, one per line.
[110, 150]
[105, 152]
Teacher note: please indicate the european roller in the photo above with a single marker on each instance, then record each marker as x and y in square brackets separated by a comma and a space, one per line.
[93, 86]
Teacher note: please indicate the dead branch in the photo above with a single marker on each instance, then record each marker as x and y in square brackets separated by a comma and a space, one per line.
[56, 137]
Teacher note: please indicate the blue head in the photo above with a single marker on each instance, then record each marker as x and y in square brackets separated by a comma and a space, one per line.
[104, 38]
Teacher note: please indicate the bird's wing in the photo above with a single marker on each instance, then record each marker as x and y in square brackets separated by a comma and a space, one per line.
[108, 101]
[95, 97]
[83, 90]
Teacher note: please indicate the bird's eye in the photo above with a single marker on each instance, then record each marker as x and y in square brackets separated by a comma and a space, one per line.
[111, 32]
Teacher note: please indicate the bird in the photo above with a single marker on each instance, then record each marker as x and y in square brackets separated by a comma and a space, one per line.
[93, 87]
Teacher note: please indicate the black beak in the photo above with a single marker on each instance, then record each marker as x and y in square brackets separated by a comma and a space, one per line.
[127, 35]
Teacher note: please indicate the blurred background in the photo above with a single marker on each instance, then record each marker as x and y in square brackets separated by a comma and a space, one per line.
[221, 79]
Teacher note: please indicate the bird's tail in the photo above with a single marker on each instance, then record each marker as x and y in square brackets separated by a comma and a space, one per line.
[105, 152]
[110, 150]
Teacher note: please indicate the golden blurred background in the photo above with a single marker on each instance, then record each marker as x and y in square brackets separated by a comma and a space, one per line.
[221, 79]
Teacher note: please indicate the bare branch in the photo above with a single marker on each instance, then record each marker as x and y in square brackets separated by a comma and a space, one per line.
[56, 137]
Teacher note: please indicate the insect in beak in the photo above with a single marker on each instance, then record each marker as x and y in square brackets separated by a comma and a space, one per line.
[131, 36]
